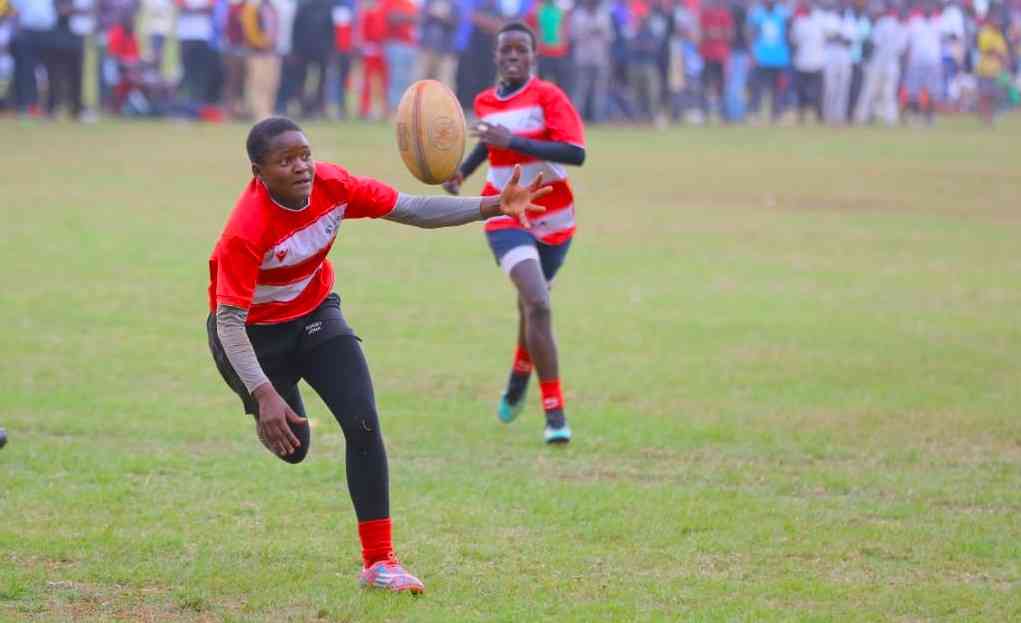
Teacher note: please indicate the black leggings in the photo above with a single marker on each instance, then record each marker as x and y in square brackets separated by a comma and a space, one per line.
[338, 372]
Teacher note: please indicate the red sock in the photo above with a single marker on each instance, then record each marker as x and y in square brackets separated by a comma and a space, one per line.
[522, 361]
[552, 395]
[377, 542]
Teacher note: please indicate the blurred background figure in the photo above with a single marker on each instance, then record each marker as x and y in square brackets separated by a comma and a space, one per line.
[344, 43]
[888, 41]
[591, 30]
[808, 36]
[260, 26]
[372, 33]
[717, 27]
[399, 48]
[34, 21]
[767, 31]
[437, 57]
[312, 44]
[66, 61]
[157, 25]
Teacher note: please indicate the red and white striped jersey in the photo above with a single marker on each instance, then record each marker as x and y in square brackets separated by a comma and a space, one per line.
[272, 261]
[540, 111]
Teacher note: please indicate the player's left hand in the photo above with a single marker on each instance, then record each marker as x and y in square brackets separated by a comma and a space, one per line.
[492, 134]
[517, 201]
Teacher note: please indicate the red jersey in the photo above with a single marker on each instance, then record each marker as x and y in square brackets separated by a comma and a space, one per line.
[343, 28]
[540, 111]
[372, 31]
[272, 261]
[405, 32]
[716, 46]
[123, 45]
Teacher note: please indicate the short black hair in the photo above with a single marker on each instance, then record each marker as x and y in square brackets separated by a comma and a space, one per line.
[519, 27]
[262, 133]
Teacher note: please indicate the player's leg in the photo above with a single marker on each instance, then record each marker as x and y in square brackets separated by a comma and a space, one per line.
[533, 292]
[338, 372]
[510, 246]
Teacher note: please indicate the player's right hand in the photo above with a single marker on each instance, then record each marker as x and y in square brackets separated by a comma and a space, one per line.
[274, 414]
[453, 185]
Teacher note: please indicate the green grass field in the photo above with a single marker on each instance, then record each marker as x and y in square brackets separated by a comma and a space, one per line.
[791, 360]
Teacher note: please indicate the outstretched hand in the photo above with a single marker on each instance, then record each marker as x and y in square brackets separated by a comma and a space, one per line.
[517, 201]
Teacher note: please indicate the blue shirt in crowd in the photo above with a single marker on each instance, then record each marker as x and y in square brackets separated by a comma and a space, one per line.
[769, 27]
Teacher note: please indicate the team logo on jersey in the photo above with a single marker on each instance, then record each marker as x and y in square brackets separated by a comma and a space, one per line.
[281, 254]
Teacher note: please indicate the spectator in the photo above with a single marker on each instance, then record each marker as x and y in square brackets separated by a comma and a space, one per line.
[550, 23]
[882, 71]
[862, 32]
[35, 21]
[684, 80]
[233, 55]
[313, 46]
[65, 65]
[992, 64]
[437, 59]
[952, 37]
[808, 35]
[717, 26]
[399, 47]
[260, 25]
[840, 32]
[372, 28]
[6, 61]
[591, 31]
[158, 22]
[767, 25]
[343, 39]
[643, 69]
[194, 37]
[923, 80]
[739, 63]
[288, 88]
[109, 13]
[476, 69]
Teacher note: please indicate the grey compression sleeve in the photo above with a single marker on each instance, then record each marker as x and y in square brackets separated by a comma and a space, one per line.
[230, 328]
[435, 211]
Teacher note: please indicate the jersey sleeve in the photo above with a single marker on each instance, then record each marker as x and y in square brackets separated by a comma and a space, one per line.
[563, 124]
[369, 198]
[237, 272]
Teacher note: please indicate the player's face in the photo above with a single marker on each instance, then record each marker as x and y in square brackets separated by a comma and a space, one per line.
[287, 169]
[514, 56]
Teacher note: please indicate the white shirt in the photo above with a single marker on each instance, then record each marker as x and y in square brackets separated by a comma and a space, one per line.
[285, 22]
[924, 42]
[195, 26]
[83, 22]
[159, 17]
[809, 35]
[889, 40]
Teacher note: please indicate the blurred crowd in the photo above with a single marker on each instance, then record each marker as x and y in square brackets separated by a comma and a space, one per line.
[627, 61]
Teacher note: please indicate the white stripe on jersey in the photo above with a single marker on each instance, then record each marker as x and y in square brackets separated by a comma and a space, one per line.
[305, 243]
[519, 120]
[284, 293]
[543, 226]
[551, 172]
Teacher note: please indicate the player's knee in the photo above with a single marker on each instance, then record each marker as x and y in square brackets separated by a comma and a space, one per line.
[537, 308]
[297, 456]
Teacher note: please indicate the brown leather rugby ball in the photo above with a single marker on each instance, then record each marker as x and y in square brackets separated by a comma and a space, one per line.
[430, 131]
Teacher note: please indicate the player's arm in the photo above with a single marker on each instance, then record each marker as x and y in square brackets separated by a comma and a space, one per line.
[550, 151]
[274, 412]
[430, 212]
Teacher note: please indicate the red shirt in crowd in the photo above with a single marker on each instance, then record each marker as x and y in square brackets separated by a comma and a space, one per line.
[717, 29]
[123, 45]
[404, 29]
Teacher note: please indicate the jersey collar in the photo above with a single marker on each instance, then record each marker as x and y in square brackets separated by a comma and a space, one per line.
[519, 90]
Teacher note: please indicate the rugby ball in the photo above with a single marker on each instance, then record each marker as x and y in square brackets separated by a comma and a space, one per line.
[430, 131]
